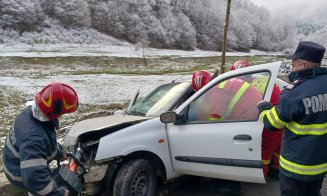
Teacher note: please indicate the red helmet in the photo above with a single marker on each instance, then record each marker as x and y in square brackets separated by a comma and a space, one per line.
[200, 78]
[57, 99]
[239, 64]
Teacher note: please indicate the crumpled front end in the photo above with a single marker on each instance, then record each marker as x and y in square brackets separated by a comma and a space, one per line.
[83, 140]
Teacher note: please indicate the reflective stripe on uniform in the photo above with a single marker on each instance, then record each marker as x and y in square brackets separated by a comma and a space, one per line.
[237, 97]
[302, 169]
[47, 189]
[17, 155]
[222, 85]
[15, 178]
[274, 120]
[33, 163]
[265, 162]
[262, 114]
[312, 129]
[260, 83]
[12, 149]
[213, 119]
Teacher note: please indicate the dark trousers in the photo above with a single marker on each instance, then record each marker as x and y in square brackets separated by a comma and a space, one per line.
[291, 187]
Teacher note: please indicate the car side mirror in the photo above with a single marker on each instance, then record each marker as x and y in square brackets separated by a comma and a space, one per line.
[168, 117]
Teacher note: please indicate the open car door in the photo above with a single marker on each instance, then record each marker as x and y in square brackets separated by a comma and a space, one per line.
[218, 132]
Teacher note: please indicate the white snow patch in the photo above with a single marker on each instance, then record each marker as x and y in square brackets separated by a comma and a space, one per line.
[94, 88]
[127, 50]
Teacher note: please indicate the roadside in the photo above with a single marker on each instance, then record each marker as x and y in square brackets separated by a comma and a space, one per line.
[103, 84]
[194, 186]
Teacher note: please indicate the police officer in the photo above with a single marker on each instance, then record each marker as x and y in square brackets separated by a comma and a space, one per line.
[302, 112]
[31, 144]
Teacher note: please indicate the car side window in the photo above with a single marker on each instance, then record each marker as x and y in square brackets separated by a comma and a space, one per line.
[234, 99]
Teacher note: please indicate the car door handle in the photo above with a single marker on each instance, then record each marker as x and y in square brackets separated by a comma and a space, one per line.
[243, 137]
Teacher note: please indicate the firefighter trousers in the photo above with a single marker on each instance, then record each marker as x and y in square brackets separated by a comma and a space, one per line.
[292, 187]
[271, 142]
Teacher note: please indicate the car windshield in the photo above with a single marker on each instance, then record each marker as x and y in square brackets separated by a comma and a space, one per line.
[160, 100]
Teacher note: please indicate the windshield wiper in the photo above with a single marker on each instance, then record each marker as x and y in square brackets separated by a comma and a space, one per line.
[135, 112]
[139, 113]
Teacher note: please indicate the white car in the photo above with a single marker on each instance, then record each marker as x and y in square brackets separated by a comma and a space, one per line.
[128, 153]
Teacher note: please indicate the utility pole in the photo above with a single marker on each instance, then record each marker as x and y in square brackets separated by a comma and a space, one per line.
[222, 69]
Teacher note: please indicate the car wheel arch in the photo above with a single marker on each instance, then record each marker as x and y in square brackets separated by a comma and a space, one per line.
[154, 159]
[117, 164]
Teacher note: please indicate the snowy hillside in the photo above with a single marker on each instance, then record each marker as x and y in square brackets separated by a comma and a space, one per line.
[169, 24]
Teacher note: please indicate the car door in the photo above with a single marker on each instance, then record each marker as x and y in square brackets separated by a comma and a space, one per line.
[220, 134]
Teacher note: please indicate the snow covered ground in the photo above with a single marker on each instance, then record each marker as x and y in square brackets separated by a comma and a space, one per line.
[93, 88]
[121, 50]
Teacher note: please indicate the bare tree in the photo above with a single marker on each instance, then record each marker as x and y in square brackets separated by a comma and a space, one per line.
[222, 69]
[143, 41]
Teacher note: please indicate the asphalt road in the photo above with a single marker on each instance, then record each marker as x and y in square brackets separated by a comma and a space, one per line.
[198, 186]
[188, 186]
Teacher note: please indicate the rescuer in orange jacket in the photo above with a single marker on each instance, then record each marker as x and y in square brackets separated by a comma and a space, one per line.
[271, 141]
[232, 99]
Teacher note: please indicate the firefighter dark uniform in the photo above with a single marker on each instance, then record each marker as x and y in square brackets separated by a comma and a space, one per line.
[30, 146]
[302, 112]
[31, 143]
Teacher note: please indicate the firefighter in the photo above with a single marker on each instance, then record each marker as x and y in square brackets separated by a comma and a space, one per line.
[200, 79]
[31, 143]
[202, 111]
[239, 64]
[271, 141]
[230, 99]
[302, 112]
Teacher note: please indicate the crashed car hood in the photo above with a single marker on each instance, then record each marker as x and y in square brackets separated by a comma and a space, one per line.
[96, 124]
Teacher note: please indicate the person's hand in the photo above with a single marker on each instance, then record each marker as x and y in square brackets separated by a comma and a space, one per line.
[63, 158]
[66, 192]
[262, 101]
[263, 105]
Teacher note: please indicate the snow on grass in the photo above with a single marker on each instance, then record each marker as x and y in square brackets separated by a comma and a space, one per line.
[122, 50]
[94, 88]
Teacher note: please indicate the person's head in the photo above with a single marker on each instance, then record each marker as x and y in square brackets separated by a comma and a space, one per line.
[307, 55]
[239, 64]
[56, 99]
[200, 79]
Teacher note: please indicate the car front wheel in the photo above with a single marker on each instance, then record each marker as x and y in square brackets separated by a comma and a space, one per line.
[136, 177]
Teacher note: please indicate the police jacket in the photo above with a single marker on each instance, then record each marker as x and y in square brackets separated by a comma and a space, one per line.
[30, 146]
[302, 112]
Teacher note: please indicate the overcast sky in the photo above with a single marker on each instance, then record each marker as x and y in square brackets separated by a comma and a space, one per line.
[273, 4]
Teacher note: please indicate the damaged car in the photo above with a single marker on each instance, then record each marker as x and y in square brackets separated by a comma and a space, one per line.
[165, 135]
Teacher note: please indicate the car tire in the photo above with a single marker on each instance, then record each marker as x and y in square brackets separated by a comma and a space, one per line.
[136, 177]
